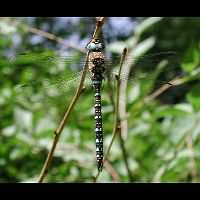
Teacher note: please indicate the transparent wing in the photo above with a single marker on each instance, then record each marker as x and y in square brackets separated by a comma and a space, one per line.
[51, 58]
[149, 67]
[57, 81]
[63, 74]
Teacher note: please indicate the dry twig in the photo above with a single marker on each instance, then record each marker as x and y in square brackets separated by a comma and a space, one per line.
[66, 115]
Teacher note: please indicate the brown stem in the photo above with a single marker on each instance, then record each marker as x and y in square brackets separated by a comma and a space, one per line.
[122, 91]
[66, 116]
[125, 157]
[99, 23]
[110, 89]
[112, 171]
[192, 162]
[118, 117]
[61, 126]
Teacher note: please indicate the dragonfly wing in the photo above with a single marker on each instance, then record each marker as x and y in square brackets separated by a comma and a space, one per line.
[49, 93]
[48, 57]
[47, 83]
[152, 75]
[153, 58]
[50, 60]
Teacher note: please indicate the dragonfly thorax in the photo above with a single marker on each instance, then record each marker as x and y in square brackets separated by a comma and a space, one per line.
[96, 65]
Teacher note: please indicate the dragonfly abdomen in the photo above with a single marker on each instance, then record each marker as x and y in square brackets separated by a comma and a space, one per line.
[96, 67]
[99, 128]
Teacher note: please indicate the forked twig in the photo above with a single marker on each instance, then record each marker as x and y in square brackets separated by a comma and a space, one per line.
[66, 115]
[117, 120]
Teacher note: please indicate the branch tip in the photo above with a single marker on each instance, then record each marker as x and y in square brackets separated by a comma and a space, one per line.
[124, 51]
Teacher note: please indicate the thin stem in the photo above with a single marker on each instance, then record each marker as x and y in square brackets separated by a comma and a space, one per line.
[66, 116]
[99, 23]
[61, 126]
[192, 162]
[110, 93]
[122, 91]
[117, 121]
[112, 171]
[125, 157]
[118, 118]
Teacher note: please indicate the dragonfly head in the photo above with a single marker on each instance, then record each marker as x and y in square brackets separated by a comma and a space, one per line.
[95, 45]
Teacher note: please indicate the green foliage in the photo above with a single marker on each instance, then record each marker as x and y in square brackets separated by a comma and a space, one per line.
[37, 85]
[193, 97]
[191, 59]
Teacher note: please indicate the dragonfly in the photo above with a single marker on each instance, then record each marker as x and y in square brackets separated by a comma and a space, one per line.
[99, 67]
[96, 67]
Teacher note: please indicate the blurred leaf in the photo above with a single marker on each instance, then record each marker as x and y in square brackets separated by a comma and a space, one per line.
[169, 111]
[6, 28]
[116, 47]
[146, 24]
[194, 97]
[134, 93]
[142, 47]
[23, 119]
[184, 107]
[191, 59]
[9, 131]
[181, 127]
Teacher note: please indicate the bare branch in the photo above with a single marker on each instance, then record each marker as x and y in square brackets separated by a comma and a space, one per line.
[193, 172]
[61, 126]
[112, 171]
[66, 116]
[99, 23]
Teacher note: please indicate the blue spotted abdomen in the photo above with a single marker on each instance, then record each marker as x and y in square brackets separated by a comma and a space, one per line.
[96, 67]
[98, 127]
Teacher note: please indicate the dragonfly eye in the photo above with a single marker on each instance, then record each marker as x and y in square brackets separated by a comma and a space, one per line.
[94, 46]
[91, 46]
